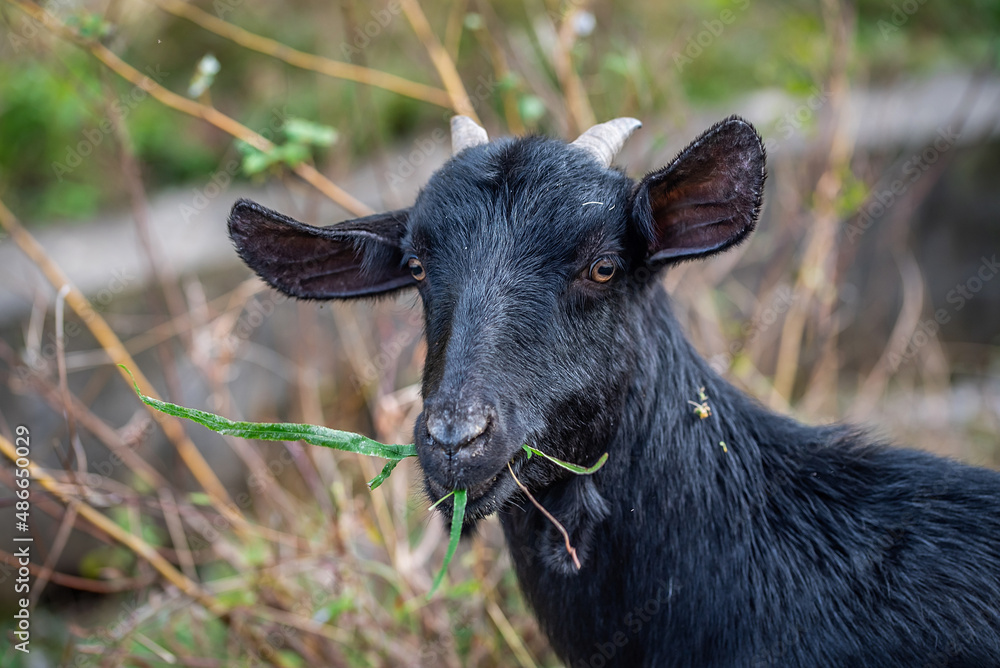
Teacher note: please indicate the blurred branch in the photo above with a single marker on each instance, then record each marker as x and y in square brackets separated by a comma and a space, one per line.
[501, 70]
[76, 447]
[896, 228]
[162, 269]
[580, 111]
[442, 61]
[906, 324]
[232, 303]
[525, 60]
[454, 28]
[83, 584]
[307, 61]
[69, 517]
[911, 278]
[45, 573]
[190, 107]
[509, 634]
[175, 527]
[817, 270]
[134, 543]
[116, 351]
[173, 304]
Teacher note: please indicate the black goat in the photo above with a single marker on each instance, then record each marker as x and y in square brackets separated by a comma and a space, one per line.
[546, 324]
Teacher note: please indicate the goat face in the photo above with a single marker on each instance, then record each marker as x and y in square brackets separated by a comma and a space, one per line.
[531, 257]
[522, 248]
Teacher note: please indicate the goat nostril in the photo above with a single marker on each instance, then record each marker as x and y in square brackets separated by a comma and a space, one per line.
[456, 431]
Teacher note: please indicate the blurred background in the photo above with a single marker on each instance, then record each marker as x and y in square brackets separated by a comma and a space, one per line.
[128, 129]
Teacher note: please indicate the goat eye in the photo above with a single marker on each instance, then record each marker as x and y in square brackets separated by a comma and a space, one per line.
[416, 268]
[602, 270]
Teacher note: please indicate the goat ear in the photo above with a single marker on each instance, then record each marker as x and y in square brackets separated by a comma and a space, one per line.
[355, 258]
[707, 199]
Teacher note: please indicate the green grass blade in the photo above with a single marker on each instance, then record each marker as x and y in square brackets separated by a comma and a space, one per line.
[457, 519]
[383, 474]
[284, 431]
[326, 437]
[575, 468]
[435, 504]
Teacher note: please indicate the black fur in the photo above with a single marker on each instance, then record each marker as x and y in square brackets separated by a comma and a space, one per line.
[790, 546]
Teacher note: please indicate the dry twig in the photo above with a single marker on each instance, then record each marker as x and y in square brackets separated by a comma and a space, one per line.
[442, 61]
[307, 61]
[569, 548]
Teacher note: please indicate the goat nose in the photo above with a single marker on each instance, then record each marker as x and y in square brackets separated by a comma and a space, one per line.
[455, 428]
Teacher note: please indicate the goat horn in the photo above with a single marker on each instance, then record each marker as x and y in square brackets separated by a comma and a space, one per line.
[466, 133]
[603, 141]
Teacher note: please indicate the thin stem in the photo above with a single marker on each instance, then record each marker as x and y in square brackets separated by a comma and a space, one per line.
[175, 527]
[454, 28]
[44, 574]
[79, 455]
[569, 548]
[442, 61]
[818, 267]
[580, 111]
[306, 61]
[501, 70]
[435, 504]
[509, 634]
[83, 584]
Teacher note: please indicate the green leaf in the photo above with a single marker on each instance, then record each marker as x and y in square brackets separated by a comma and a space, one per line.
[96, 563]
[617, 63]
[473, 21]
[435, 504]
[509, 81]
[457, 519]
[301, 131]
[386, 470]
[245, 148]
[282, 431]
[90, 25]
[575, 468]
[255, 161]
[329, 613]
[236, 597]
[532, 108]
[256, 552]
[292, 154]
[204, 75]
[200, 499]
[290, 659]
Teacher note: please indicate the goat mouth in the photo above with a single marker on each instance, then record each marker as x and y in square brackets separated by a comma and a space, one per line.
[486, 497]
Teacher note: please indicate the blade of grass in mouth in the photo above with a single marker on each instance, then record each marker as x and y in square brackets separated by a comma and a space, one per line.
[457, 519]
[349, 442]
[323, 436]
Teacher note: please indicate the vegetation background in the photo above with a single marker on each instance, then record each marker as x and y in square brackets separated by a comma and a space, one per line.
[127, 129]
